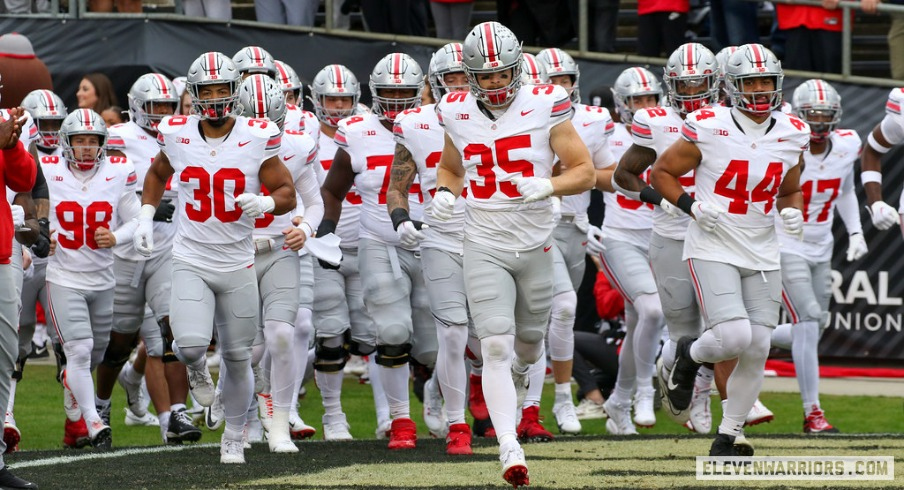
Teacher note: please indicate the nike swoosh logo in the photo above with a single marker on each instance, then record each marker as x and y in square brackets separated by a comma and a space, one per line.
[241, 144]
[547, 249]
[286, 159]
[110, 178]
[583, 244]
[782, 140]
[588, 124]
[671, 385]
[524, 113]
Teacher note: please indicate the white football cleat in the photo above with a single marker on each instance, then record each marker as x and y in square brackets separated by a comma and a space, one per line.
[215, 413]
[589, 410]
[232, 451]
[619, 423]
[566, 418]
[149, 419]
[701, 417]
[514, 467]
[336, 428]
[299, 430]
[201, 385]
[383, 428]
[758, 414]
[133, 394]
[434, 415]
[643, 407]
[662, 375]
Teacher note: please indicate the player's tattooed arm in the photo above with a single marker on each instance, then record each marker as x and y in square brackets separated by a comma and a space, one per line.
[632, 165]
[402, 176]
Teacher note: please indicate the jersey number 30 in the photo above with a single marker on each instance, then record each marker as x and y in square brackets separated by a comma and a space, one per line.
[210, 194]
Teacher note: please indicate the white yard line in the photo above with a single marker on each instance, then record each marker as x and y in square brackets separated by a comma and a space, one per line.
[106, 455]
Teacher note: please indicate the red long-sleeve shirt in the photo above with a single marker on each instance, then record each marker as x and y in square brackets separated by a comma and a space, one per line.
[609, 303]
[19, 170]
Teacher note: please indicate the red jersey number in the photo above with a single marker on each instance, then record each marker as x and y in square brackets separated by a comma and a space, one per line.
[82, 222]
[209, 198]
[488, 162]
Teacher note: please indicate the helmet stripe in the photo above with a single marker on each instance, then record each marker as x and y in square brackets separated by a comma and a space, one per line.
[489, 41]
[256, 55]
[456, 50]
[820, 91]
[757, 55]
[162, 81]
[340, 81]
[49, 100]
[531, 61]
[643, 77]
[283, 74]
[259, 95]
[212, 68]
[397, 66]
[689, 62]
[556, 60]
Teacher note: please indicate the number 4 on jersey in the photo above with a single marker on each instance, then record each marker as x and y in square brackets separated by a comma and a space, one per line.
[732, 185]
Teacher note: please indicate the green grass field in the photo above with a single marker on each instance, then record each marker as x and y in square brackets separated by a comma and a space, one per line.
[662, 457]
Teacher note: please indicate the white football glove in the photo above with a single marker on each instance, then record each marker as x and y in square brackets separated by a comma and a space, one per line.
[706, 214]
[18, 215]
[143, 238]
[255, 206]
[792, 221]
[669, 208]
[883, 215]
[443, 205]
[533, 188]
[856, 247]
[411, 233]
[595, 240]
[582, 222]
[556, 209]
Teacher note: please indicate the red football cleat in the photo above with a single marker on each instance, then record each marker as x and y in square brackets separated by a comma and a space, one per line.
[403, 434]
[458, 441]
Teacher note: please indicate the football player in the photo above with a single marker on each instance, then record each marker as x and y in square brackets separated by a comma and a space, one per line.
[885, 136]
[504, 140]
[220, 161]
[747, 161]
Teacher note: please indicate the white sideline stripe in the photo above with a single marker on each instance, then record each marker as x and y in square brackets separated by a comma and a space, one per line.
[106, 455]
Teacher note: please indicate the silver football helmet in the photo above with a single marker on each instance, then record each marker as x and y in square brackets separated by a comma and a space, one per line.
[631, 83]
[254, 59]
[48, 111]
[213, 68]
[489, 48]
[395, 71]
[818, 104]
[287, 79]
[722, 58]
[83, 121]
[532, 71]
[754, 61]
[445, 60]
[557, 62]
[334, 81]
[260, 97]
[150, 91]
[691, 68]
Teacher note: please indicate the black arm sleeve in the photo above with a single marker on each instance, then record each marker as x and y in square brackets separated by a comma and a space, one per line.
[39, 191]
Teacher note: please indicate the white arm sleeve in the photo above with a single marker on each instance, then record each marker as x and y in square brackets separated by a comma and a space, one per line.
[848, 207]
[311, 205]
[893, 129]
[128, 211]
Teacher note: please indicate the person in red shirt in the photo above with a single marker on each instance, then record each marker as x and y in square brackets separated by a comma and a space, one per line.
[17, 171]
[661, 25]
[813, 36]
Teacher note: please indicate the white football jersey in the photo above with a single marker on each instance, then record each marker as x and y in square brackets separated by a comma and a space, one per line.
[371, 148]
[77, 210]
[141, 148]
[626, 220]
[212, 232]
[349, 225]
[494, 151]
[893, 123]
[298, 153]
[419, 131]
[742, 174]
[29, 132]
[58, 154]
[824, 179]
[302, 120]
[594, 125]
[657, 128]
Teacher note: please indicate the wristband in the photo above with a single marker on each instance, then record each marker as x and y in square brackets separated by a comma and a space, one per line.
[444, 188]
[868, 176]
[147, 212]
[44, 223]
[875, 144]
[650, 195]
[685, 202]
[399, 216]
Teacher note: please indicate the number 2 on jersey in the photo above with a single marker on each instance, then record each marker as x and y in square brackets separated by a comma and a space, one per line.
[485, 169]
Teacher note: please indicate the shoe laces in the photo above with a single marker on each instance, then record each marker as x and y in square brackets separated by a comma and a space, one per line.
[268, 405]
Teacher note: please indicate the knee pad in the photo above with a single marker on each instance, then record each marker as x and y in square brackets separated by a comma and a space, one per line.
[116, 355]
[734, 337]
[498, 325]
[327, 358]
[649, 307]
[393, 355]
[564, 306]
[496, 348]
[394, 334]
[360, 348]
